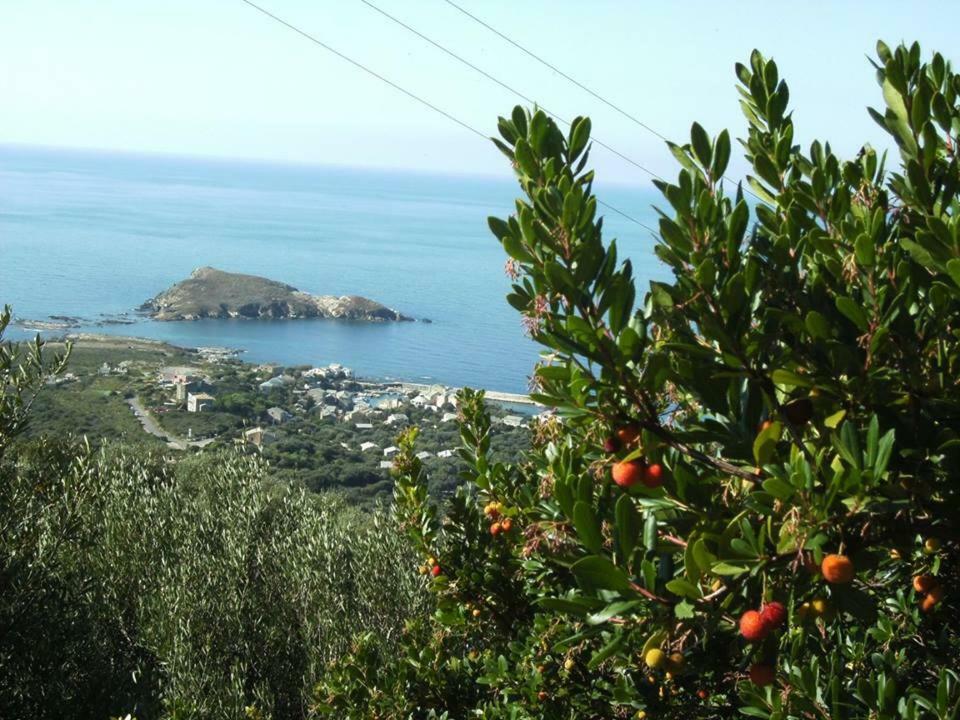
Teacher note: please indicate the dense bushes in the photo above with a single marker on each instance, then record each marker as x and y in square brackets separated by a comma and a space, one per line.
[747, 500]
[132, 584]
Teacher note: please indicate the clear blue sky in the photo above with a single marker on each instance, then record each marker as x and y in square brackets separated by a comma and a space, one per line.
[214, 77]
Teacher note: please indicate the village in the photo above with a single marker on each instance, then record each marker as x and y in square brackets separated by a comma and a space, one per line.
[327, 393]
[320, 426]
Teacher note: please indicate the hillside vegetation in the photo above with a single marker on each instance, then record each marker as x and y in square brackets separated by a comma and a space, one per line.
[745, 500]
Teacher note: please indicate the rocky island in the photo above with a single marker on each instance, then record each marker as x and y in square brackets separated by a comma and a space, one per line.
[212, 293]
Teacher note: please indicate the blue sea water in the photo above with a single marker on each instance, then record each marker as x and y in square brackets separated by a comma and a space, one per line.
[93, 234]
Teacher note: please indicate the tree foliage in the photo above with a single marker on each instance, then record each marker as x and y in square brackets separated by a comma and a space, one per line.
[747, 496]
[130, 583]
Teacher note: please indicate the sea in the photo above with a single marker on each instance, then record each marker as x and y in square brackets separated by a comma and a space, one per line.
[92, 235]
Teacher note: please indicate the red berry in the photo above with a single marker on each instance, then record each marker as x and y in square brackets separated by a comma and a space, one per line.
[436, 571]
[752, 626]
[761, 675]
[653, 477]
[628, 434]
[773, 614]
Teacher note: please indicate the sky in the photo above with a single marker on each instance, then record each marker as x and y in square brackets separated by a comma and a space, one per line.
[218, 78]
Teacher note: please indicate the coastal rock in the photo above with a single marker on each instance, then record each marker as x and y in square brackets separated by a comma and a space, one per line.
[212, 293]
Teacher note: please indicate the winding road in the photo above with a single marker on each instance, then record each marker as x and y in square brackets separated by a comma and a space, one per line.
[150, 425]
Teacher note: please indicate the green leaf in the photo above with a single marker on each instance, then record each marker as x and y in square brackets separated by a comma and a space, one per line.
[852, 311]
[610, 611]
[721, 155]
[780, 489]
[703, 557]
[629, 525]
[953, 269]
[701, 144]
[526, 160]
[864, 250]
[608, 650]
[579, 136]
[766, 441]
[725, 568]
[790, 379]
[587, 525]
[684, 588]
[817, 325]
[580, 606]
[598, 573]
[834, 420]
[683, 610]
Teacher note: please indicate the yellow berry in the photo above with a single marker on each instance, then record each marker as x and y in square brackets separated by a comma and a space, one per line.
[655, 658]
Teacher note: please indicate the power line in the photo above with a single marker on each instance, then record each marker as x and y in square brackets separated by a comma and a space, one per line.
[406, 92]
[502, 84]
[353, 62]
[576, 82]
[556, 70]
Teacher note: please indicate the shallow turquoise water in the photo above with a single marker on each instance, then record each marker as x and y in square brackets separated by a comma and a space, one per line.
[85, 234]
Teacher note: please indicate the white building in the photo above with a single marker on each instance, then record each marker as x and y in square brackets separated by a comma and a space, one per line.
[513, 420]
[258, 437]
[275, 382]
[364, 426]
[446, 453]
[368, 446]
[423, 455]
[396, 418]
[391, 451]
[386, 464]
[278, 415]
[198, 402]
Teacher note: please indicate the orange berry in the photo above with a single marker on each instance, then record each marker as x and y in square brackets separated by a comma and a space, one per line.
[932, 599]
[923, 583]
[752, 626]
[702, 694]
[627, 474]
[837, 569]
[506, 525]
[436, 571]
[761, 675]
[542, 695]
[495, 528]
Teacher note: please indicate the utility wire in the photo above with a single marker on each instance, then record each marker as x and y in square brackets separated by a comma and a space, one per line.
[406, 92]
[576, 82]
[557, 70]
[502, 84]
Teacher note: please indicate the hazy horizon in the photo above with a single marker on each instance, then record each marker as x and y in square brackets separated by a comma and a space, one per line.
[222, 81]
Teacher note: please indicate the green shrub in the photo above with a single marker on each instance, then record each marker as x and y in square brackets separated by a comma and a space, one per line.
[790, 396]
[132, 583]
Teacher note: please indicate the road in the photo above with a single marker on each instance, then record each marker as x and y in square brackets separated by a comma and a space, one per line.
[150, 425]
